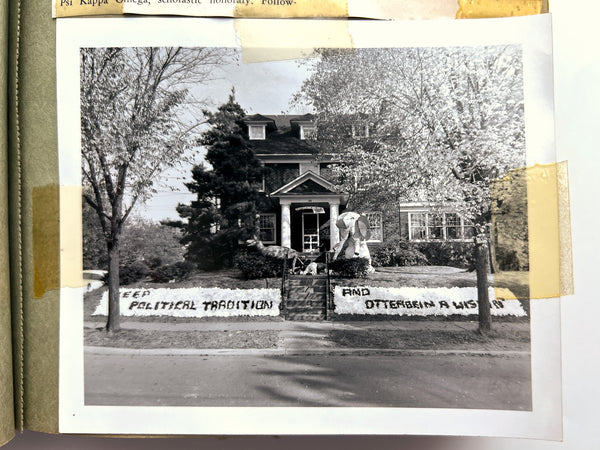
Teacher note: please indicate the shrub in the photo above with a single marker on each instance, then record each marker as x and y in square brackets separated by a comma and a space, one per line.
[398, 254]
[350, 268]
[383, 257]
[178, 271]
[155, 262]
[510, 259]
[454, 254]
[410, 256]
[131, 272]
[254, 264]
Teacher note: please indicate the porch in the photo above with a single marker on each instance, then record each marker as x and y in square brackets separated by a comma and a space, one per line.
[309, 209]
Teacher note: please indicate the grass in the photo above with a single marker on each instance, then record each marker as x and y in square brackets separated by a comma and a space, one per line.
[501, 338]
[425, 276]
[498, 339]
[516, 282]
[147, 339]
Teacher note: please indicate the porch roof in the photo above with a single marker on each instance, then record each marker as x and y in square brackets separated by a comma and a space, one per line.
[308, 182]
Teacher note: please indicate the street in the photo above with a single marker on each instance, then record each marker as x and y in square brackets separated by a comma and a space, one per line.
[342, 380]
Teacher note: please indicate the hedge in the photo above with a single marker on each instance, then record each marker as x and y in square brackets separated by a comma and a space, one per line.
[350, 268]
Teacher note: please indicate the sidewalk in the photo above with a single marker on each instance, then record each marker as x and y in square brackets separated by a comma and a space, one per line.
[311, 337]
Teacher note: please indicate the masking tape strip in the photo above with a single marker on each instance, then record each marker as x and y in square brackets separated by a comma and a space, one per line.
[373, 9]
[71, 231]
[301, 39]
[531, 233]
[292, 8]
[477, 9]
[45, 202]
[545, 187]
[567, 286]
[56, 263]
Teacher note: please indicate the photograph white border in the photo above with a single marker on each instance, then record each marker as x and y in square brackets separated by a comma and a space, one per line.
[544, 421]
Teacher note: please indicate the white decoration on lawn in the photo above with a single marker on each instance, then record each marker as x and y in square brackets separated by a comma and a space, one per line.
[413, 301]
[195, 302]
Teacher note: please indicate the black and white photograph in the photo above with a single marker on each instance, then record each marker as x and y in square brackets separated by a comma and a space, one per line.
[346, 229]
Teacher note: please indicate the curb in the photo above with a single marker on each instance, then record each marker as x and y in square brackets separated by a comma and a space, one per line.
[91, 350]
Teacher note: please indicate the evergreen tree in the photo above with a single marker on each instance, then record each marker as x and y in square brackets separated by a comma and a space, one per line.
[224, 212]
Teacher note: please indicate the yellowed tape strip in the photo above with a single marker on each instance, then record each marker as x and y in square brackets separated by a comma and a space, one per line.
[531, 228]
[292, 8]
[509, 249]
[301, 38]
[549, 231]
[46, 276]
[477, 9]
[55, 209]
[208, 8]
[567, 286]
[375, 9]
[71, 231]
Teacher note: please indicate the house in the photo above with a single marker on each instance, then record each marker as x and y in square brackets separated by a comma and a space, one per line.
[305, 204]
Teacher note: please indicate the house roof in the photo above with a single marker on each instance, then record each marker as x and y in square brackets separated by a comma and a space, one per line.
[283, 135]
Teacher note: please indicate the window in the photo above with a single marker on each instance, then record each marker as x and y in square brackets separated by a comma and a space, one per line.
[417, 226]
[267, 225]
[360, 131]
[376, 226]
[445, 226]
[308, 132]
[453, 226]
[256, 132]
[435, 226]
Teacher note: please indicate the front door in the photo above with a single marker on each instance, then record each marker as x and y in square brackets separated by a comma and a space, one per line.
[310, 232]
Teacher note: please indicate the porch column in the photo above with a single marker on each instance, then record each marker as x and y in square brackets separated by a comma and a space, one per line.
[286, 234]
[334, 234]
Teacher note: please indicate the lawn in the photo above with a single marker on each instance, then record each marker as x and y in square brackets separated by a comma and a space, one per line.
[503, 337]
[138, 339]
[498, 340]
[415, 276]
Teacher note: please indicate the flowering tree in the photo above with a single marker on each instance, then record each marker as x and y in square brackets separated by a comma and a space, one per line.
[435, 124]
[133, 127]
[428, 124]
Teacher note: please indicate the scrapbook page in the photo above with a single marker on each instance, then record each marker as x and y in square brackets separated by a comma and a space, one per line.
[308, 227]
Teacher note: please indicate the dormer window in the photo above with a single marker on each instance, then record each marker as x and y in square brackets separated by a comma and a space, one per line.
[308, 132]
[360, 131]
[256, 132]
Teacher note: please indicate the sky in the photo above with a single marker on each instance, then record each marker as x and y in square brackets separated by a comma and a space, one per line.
[264, 88]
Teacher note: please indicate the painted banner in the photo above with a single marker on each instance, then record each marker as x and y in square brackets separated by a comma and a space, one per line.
[195, 302]
[412, 301]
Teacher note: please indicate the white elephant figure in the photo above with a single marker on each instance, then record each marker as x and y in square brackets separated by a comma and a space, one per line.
[354, 229]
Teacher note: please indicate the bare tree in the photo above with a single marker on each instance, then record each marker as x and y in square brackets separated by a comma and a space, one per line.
[135, 123]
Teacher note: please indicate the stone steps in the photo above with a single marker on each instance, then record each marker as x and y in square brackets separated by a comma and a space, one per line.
[303, 317]
[306, 298]
[310, 303]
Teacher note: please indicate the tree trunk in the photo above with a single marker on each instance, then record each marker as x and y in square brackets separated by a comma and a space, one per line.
[114, 306]
[483, 299]
[493, 263]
